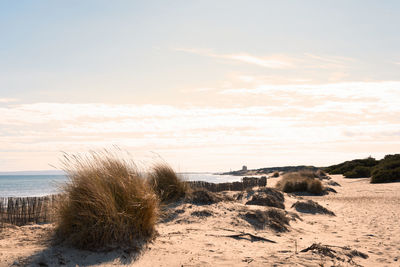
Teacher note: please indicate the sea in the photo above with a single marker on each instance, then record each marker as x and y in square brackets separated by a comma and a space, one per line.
[42, 185]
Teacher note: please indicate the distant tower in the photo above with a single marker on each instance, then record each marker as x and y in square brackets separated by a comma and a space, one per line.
[244, 168]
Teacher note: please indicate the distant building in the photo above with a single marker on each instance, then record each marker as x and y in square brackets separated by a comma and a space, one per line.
[244, 168]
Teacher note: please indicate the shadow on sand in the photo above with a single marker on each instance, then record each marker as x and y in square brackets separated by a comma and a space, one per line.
[62, 255]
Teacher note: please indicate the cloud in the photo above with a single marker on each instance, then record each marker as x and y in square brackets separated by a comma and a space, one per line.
[385, 90]
[330, 59]
[289, 119]
[305, 61]
[8, 100]
[272, 62]
[247, 78]
[200, 89]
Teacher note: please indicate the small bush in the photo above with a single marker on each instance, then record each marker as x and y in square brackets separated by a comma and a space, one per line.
[388, 169]
[358, 172]
[314, 187]
[300, 182]
[106, 203]
[276, 174]
[384, 176]
[167, 184]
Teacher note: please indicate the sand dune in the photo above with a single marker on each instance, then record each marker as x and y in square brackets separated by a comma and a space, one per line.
[365, 231]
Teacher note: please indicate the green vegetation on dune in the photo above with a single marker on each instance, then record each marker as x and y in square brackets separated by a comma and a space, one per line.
[353, 167]
[387, 170]
[358, 172]
[272, 170]
[380, 171]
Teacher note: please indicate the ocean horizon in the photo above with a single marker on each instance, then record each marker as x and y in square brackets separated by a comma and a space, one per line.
[30, 185]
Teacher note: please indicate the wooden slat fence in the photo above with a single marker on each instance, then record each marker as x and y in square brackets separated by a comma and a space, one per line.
[247, 182]
[24, 210]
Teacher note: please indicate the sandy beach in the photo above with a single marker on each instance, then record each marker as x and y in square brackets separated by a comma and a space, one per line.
[367, 220]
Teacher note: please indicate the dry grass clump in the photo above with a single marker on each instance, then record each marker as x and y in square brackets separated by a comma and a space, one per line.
[312, 207]
[275, 219]
[106, 203]
[267, 197]
[303, 181]
[167, 184]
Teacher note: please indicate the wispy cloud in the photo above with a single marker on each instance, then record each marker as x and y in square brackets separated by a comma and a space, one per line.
[385, 90]
[330, 59]
[273, 62]
[268, 62]
[8, 100]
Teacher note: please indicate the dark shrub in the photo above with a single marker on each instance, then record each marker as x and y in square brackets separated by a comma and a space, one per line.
[349, 166]
[358, 172]
[387, 170]
[383, 176]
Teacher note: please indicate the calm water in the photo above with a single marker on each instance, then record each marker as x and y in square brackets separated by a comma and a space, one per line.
[41, 185]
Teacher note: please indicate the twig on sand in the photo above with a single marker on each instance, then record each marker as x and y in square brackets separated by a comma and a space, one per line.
[242, 236]
[327, 250]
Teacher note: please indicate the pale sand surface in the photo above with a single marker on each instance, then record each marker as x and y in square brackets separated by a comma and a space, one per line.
[367, 219]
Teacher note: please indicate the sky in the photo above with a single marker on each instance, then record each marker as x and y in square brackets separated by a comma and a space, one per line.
[206, 85]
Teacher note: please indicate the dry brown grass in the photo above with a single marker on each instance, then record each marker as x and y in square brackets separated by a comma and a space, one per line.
[275, 219]
[266, 197]
[303, 181]
[106, 203]
[312, 207]
[167, 184]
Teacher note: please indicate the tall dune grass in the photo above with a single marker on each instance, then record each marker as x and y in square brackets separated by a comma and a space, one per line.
[303, 181]
[106, 203]
[167, 184]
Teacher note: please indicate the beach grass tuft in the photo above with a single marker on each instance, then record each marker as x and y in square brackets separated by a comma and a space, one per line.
[303, 181]
[106, 203]
[167, 184]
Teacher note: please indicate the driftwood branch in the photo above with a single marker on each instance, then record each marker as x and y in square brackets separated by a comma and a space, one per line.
[242, 236]
[328, 251]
